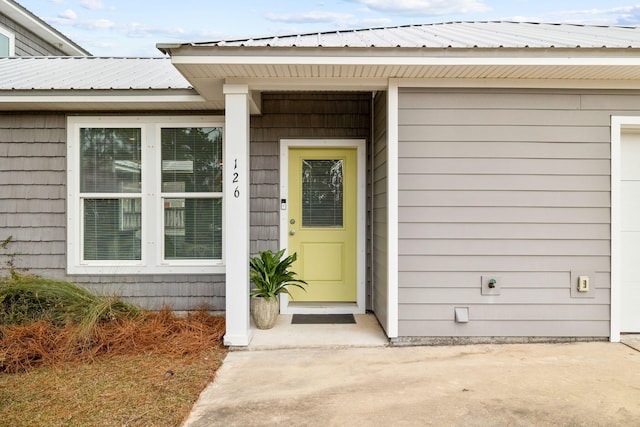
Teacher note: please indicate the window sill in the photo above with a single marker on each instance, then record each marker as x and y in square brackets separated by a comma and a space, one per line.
[112, 270]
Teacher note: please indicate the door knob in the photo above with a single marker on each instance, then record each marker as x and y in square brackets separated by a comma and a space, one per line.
[292, 232]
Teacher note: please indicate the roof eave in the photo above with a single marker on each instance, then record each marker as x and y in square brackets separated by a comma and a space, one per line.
[36, 25]
[69, 100]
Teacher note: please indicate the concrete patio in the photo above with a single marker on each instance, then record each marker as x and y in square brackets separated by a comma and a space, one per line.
[574, 384]
[366, 332]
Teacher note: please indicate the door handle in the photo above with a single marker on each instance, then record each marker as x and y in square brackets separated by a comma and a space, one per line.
[292, 232]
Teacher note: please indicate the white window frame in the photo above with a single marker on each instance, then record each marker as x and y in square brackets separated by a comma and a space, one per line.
[12, 39]
[152, 237]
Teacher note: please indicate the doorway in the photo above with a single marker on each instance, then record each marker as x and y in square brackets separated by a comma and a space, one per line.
[323, 221]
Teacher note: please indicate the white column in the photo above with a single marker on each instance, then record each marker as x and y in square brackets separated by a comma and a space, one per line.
[392, 209]
[236, 210]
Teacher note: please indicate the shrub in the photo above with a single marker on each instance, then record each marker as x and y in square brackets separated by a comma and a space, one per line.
[26, 299]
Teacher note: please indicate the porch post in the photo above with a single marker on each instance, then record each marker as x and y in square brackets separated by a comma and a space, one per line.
[236, 214]
[392, 210]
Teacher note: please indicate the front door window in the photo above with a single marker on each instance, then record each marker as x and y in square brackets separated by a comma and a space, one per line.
[322, 193]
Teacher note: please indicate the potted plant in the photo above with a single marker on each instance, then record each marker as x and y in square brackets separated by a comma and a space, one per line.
[271, 275]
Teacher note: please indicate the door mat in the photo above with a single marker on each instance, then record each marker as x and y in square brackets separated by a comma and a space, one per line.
[321, 319]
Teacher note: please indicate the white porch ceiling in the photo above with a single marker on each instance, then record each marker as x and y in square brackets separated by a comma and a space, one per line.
[408, 71]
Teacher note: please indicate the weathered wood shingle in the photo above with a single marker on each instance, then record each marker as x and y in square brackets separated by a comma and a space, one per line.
[294, 115]
[27, 43]
[33, 211]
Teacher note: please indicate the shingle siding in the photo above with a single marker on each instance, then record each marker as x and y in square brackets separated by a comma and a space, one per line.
[33, 211]
[295, 115]
[32, 196]
[27, 43]
[508, 183]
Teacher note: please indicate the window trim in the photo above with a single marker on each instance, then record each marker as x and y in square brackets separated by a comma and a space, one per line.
[12, 39]
[152, 233]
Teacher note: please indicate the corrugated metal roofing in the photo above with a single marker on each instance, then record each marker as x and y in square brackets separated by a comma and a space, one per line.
[64, 73]
[496, 34]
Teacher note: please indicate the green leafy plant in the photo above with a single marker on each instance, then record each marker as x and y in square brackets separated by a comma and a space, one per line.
[10, 263]
[271, 275]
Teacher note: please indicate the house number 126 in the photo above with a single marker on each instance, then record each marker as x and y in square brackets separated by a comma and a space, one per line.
[236, 192]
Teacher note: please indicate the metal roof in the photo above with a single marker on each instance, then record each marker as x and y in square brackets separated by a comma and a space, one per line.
[487, 34]
[90, 73]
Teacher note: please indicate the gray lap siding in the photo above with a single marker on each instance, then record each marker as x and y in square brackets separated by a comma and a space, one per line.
[511, 183]
[380, 210]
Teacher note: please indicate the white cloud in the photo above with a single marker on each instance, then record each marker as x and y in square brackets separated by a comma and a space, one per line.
[137, 30]
[309, 17]
[425, 7]
[71, 19]
[68, 14]
[92, 4]
[295, 22]
[627, 15]
[97, 24]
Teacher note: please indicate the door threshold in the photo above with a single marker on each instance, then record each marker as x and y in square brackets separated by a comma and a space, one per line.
[323, 308]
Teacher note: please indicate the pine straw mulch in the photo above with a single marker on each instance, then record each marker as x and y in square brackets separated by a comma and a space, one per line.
[145, 371]
[38, 344]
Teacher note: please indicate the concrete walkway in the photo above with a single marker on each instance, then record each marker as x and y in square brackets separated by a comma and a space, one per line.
[366, 332]
[578, 384]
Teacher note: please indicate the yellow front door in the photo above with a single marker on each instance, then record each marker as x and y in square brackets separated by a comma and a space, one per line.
[323, 222]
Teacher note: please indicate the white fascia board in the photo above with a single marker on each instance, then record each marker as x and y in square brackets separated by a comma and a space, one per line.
[269, 84]
[99, 99]
[520, 83]
[405, 60]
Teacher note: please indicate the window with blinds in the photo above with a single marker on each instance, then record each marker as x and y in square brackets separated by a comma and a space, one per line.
[191, 192]
[145, 194]
[322, 193]
[110, 190]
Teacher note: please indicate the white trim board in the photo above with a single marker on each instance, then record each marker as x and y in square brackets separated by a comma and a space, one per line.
[392, 209]
[360, 144]
[151, 261]
[618, 125]
[542, 59]
[11, 37]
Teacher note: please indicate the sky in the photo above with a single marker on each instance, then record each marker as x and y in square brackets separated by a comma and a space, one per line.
[133, 27]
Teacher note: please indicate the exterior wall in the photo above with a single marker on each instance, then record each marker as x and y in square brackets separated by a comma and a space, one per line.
[511, 183]
[33, 211]
[380, 215]
[33, 197]
[27, 43]
[32, 190]
[294, 115]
